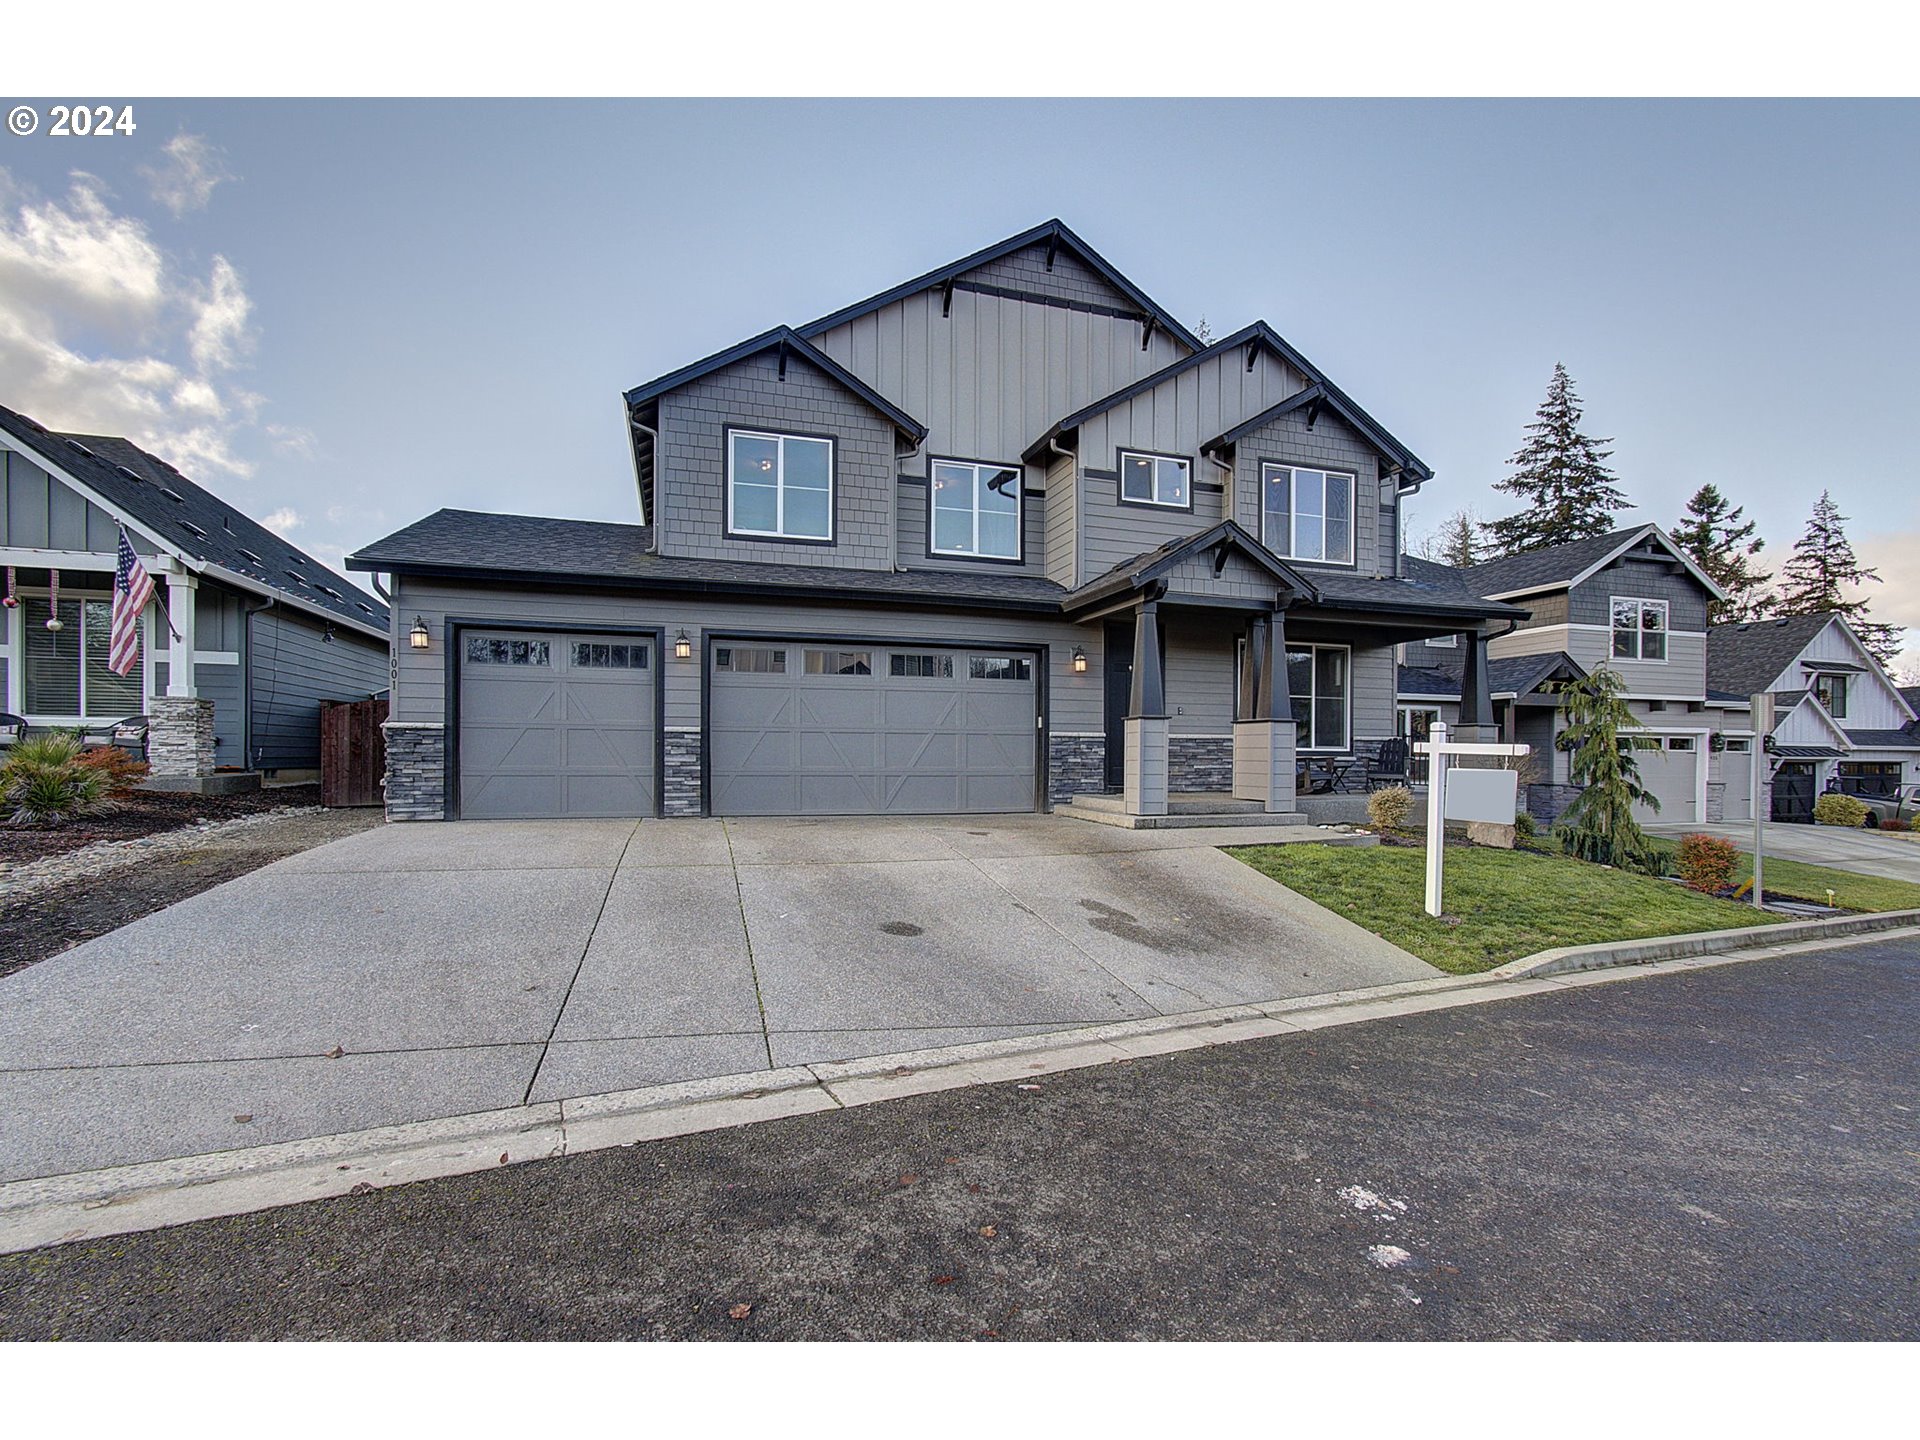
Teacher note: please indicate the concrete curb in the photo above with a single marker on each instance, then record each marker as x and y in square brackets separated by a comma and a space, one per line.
[1569, 958]
[93, 1204]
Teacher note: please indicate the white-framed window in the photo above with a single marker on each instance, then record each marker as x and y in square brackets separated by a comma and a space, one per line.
[1319, 680]
[1680, 742]
[975, 510]
[779, 486]
[1739, 747]
[1155, 480]
[1639, 628]
[64, 672]
[1306, 514]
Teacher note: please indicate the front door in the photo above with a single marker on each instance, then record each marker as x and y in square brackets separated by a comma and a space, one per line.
[1119, 672]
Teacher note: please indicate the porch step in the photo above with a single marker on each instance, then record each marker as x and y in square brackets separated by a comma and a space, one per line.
[1111, 810]
[1196, 803]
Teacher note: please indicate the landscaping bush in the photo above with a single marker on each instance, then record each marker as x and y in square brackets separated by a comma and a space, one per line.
[1896, 822]
[1389, 807]
[1523, 826]
[43, 780]
[123, 770]
[1706, 863]
[1837, 809]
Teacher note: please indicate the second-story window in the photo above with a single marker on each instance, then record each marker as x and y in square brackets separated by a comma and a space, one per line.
[779, 486]
[1639, 629]
[1306, 514]
[1155, 480]
[1832, 690]
[976, 510]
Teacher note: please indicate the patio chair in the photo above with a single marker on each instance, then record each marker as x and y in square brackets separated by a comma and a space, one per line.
[129, 735]
[1389, 766]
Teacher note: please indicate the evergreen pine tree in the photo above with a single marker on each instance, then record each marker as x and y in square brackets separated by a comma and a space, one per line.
[1713, 533]
[1821, 564]
[1562, 477]
[1599, 824]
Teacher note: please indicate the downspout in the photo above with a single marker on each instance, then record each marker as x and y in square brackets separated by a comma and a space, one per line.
[374, 577]
[246, 678]
[1212, 459]
[1053, 444]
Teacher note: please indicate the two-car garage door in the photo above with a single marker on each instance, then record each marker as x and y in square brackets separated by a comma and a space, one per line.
[556, 725]
[803, 728]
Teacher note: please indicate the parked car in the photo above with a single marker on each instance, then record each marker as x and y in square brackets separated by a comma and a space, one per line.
[1902, 804]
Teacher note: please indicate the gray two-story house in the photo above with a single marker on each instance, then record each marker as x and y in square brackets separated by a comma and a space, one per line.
[1631, 601]
[1001, 535]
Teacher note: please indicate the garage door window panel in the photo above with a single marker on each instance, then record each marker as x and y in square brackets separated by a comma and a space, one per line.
[750, 659]
[779, 487]
[839, 662]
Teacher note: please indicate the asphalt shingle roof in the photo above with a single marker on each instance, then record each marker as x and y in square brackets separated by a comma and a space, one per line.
[1896, 739]
[536, 547]
[194, 520]
[1542, 569]
[1507, 675]
[1746, 658]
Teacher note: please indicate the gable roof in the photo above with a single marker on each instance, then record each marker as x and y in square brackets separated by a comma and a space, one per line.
[192, 523]
[1564, 566]
[1748, 656]
[1227, 537]
[787, 340]
[1053, 231]
[1261, 334]
[1507, 675]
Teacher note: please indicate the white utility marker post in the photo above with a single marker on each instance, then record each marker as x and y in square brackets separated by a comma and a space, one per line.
[1487, 796]
[1761, 710]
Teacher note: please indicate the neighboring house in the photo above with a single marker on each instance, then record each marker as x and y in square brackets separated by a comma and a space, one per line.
[1634, 602]
[1001, 535]
[1840, 723]
[245, 636]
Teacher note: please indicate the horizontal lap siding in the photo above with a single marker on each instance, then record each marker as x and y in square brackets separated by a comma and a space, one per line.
[1061, 521]
[419, 690]
[293, 669]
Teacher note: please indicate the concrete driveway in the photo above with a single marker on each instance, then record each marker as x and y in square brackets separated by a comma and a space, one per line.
[1865, 852]
[457, 968]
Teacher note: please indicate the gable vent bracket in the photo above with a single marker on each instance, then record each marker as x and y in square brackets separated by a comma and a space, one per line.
[946, 300]
[1146, 330]
[783, 360]
[1313, 411]
[1253, 354]
[1053, 248]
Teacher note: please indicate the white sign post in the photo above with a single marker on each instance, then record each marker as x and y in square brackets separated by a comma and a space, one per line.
[1487, 796]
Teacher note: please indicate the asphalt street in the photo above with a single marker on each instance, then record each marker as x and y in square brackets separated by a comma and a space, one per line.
[1730, 1153]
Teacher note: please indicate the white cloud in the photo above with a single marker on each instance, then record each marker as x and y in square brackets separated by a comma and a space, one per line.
[185, 177]
[101, 330]
[283, 521]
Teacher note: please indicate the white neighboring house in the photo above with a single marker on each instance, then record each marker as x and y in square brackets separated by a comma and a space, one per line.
[1840, 723]
[245, 637]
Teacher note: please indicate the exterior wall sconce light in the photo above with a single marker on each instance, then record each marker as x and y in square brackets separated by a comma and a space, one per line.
[418, 636]
[1079, 661]
[682, 646]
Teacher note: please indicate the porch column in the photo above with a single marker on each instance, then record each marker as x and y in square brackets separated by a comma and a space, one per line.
[1144, 783]
[180, 723]
[1476, 692]
[1263, 747]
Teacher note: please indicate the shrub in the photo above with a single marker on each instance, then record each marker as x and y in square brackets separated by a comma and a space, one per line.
[1599, 824]
[1706, 863]
[1896, 822]
[1389, 807]
[123, 770]
[1524, 827]
[1838, 809]
[43, 781]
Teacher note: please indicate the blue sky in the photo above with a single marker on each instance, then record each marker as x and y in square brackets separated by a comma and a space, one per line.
[347, 314]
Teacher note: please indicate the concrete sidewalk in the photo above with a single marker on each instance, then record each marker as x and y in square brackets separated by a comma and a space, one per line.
[471, 967]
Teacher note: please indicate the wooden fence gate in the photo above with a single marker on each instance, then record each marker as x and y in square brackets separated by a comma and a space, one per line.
[353, 751]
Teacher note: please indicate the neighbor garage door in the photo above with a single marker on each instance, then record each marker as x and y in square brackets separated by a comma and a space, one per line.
[556, 726]
[1670, 773]
[803, 728]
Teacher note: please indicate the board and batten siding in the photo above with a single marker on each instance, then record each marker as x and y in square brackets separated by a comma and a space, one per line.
[992, 376]
[40, 512]
[293, 668]
[1331, 445]
[691, 487]
[1871, 703]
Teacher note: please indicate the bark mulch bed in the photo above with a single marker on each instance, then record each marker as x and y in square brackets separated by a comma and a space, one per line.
[144, 812]
[47, 922]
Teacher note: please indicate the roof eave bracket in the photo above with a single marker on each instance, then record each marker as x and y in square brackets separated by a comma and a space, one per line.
[946, 300]
[1146, 331]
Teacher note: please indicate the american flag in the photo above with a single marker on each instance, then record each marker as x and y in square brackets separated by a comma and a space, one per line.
[132, 589]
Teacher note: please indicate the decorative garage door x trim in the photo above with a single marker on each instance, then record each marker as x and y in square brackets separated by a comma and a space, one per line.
[649, 681]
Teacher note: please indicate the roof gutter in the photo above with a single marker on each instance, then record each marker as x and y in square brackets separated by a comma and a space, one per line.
[255, 587]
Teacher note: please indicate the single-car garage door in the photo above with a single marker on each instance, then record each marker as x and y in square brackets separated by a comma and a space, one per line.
[807, 728]
[1671, 774]
[556, 726]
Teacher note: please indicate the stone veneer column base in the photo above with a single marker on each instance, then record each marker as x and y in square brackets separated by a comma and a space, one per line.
[416, 782]
[180, 737]
[1076, 765]
[1145, 789]
[680, 784]
[1263, 757]
[1200, 763]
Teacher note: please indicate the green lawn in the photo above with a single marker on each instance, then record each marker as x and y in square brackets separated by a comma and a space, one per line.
[1501, 904]
[1810, 882]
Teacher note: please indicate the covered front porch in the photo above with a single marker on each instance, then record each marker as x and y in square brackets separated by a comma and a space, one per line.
[1242, 691]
